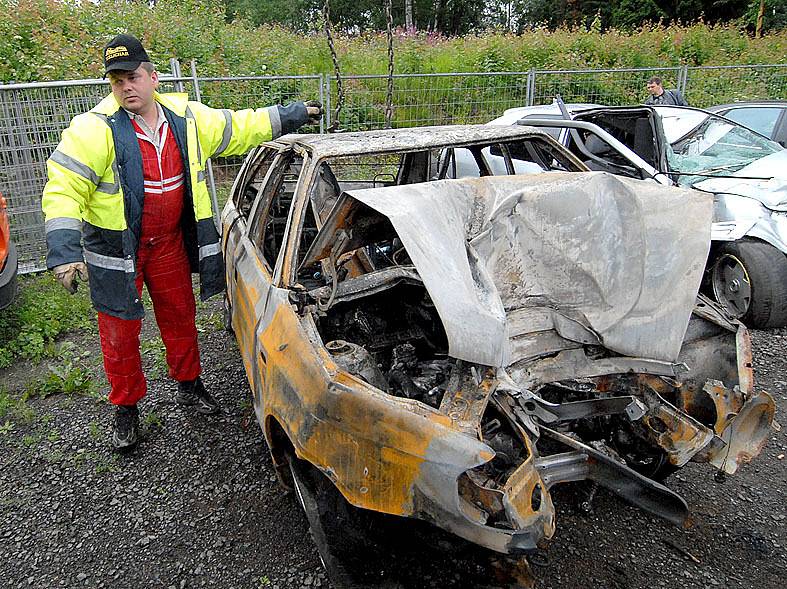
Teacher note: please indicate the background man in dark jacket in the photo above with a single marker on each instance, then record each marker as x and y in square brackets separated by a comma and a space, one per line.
[660, 96]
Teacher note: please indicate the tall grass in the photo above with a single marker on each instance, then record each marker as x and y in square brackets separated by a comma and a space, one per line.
[54, 40]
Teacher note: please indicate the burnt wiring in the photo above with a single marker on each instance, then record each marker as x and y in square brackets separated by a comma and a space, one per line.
[342, 239]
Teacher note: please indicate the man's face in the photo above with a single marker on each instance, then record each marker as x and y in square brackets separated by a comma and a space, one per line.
[655, 89]
[134, 89]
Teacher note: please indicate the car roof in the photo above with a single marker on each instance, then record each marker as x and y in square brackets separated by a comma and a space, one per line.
[749, 104]
[512, 115]
[408, 139]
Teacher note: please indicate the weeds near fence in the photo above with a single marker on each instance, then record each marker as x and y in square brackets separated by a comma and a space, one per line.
[42, 311]
[46, 40]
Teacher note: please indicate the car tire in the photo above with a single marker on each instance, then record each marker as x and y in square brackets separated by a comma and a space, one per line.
[657, 468]
[8, 274]
[749, 279]
[336, 526]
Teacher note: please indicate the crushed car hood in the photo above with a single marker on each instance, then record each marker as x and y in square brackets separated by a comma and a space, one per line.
[771, 191]
[619, 260]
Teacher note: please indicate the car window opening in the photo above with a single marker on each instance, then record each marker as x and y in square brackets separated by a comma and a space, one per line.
[634, 130]
[253, 180]
[267, 230]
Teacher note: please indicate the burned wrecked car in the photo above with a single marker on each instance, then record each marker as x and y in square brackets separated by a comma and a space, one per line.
[452, 349]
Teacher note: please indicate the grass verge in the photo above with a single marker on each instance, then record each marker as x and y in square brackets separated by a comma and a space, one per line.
[42, 311]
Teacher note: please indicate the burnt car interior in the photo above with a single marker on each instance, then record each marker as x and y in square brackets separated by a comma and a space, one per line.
[394, 339]
[339, 174]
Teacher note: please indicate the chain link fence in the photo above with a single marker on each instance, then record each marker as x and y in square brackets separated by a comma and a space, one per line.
[609, 87]
[252, 92]
[32, 116]
[444, 99]
[706, 86]
[426, 99]
[31, 120]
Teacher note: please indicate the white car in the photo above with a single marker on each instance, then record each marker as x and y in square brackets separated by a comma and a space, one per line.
[746, 172]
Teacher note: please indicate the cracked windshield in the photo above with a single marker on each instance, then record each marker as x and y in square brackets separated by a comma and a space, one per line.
[716, 148]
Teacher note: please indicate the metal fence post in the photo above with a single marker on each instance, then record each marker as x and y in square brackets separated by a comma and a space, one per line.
[683, 75]
[531, 87]
[328, 121]
[322, 101]
[174, 67]
[208, 164]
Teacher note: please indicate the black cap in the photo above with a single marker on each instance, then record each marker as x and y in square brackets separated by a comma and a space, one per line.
[124, 52]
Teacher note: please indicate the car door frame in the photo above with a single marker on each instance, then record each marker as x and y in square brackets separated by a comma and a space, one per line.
[258, 276]
[626, 152]
[235, 225]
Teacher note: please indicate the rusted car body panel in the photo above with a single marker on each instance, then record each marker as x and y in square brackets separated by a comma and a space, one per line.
[462, 402]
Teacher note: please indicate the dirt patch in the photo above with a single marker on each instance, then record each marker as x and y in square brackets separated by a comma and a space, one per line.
[198, 504]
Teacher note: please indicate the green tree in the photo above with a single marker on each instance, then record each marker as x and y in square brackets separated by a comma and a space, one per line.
[450, 17]
[295, 14]
[774, 16]
[629, 14]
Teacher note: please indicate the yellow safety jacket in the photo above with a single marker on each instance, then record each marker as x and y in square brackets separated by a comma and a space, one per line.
[94, 197]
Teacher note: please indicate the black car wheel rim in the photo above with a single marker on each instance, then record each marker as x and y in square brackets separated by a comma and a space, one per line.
[731, 285]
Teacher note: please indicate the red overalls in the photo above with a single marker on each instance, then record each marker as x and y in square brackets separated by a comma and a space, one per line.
[163, 266]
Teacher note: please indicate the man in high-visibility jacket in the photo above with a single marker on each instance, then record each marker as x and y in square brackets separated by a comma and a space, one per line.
[126, 203]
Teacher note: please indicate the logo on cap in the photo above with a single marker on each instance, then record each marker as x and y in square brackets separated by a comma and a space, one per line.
[115, 52]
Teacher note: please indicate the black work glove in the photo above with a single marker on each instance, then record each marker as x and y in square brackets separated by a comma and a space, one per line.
[314, 110]
[296, 114]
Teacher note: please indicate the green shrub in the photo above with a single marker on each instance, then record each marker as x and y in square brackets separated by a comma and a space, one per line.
[55, 40]
[41, 312]
[65, 378]
[14, 406]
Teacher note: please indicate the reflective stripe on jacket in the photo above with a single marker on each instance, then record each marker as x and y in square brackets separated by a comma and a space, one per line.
[95, 192]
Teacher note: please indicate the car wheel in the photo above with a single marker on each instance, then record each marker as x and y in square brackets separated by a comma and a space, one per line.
[8, 277]
[227, 309]
[654, 465]
[335, 525]
[749, 278]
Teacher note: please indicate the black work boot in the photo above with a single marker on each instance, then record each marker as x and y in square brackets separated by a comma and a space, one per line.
[125, 433]
[192, 392]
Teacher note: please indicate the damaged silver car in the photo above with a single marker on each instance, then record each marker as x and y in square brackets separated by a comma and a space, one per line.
[450, 350]
[745, 171]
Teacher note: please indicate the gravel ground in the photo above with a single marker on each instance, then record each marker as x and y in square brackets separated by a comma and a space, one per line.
[198, 504]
